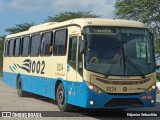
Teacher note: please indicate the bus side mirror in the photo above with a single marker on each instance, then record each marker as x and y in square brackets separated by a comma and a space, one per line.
[82, 46]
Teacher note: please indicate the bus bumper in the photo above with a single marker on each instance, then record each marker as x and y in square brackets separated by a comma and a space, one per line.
[90, 99]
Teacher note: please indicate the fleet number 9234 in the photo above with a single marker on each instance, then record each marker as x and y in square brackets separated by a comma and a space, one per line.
[109, 89]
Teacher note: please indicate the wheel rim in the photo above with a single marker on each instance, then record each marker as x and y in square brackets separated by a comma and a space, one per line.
[60, 96]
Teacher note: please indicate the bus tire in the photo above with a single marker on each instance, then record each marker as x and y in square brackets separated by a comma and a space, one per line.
[60, 99]
[20, 92]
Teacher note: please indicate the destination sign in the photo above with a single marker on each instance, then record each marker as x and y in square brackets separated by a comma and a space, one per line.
[102, 30]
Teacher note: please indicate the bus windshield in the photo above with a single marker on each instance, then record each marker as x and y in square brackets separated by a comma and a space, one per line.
[119, 51]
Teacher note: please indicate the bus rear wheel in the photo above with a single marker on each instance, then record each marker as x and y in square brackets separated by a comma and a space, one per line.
[20, 92]
[60, 99]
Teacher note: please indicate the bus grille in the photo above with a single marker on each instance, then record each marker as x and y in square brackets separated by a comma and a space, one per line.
[123, 82]
[130, 102]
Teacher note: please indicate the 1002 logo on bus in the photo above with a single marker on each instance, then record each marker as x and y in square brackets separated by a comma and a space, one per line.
[31, 66]
[37, 67]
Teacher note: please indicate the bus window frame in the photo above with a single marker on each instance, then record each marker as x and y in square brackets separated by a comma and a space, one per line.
[31, 43]
[19, 47]
[12, 55]
[51, 44]
[66, 43]
[6, 48]
[21, 50]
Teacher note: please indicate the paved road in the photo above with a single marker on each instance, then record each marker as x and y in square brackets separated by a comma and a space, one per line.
[9, 101]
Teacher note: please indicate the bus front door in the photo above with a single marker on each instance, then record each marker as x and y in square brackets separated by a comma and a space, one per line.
[72, 70]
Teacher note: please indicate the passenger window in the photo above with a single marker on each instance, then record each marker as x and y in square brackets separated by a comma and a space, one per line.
[17, 47]
[25, 46]
[46, 44]
[6, 48]
[60, 42]
[11, 48]
[35, 45]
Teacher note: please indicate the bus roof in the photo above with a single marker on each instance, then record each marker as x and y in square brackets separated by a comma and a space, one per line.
[81, 22]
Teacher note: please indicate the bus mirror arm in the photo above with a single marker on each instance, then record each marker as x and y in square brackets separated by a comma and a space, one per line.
[83, 46]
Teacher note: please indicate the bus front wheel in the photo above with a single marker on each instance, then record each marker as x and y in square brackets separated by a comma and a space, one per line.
[60, 99]
[20, 92]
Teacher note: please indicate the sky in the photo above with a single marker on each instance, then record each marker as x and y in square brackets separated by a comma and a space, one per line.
[14, 12]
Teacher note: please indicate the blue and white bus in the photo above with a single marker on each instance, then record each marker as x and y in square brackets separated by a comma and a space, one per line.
[88, 62]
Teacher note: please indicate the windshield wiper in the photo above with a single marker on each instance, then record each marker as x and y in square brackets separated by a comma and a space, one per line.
[108, 72]
[134, 66]
[129, 62]
[112, 66]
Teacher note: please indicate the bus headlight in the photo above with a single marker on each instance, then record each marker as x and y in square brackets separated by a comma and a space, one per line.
[148, 96]
[94, 88]
[152, 101]
[153, 87]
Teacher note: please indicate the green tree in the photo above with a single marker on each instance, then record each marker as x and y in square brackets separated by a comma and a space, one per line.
[146, 11]
[2, 37]
[1, 51]
[1, 48]
[70, 15]
[19, 28]
[1, 45]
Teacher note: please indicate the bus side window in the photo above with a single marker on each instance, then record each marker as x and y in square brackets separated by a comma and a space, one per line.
[60, 42]
[46, 44]
[6, 48]
[35, 45]
[25, 46]
[17, 47]
[11, 48]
